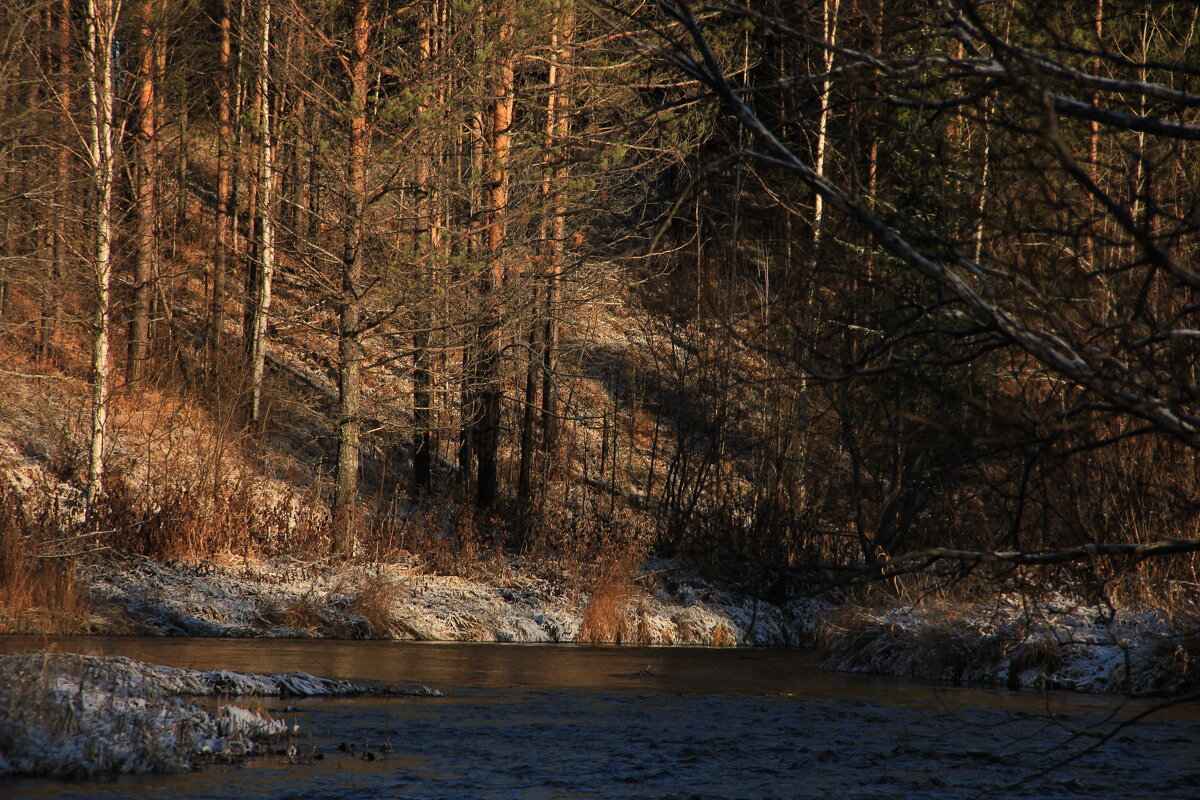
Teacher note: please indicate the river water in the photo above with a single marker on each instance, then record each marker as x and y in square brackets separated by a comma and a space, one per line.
[559, 721]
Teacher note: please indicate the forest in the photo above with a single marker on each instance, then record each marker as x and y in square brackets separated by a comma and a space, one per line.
[803, 294]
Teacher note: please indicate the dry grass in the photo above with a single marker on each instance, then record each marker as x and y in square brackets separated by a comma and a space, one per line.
[376, 601]
[305, 614]
[723, 635]
[1183, 656]
[359, 605]
[447, 538]
[607, 616]
[946, 644]
[39, 592]
[1042, 654]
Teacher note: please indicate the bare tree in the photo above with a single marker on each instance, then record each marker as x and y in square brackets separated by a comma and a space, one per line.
[558, 128]
[225, 227]
[350, 349]
[1120, 370]
[100, 18]
[487, 425]
[146, 158]
[265, 219]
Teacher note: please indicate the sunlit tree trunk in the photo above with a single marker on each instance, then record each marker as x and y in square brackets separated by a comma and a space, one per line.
[266, 221]
[225, 154]
[145, 171]
[491, 392]
[829, 34]
[350, 350]
[100, 17]
[560, 131]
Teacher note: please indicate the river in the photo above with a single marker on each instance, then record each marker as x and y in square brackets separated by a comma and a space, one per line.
[560, 721]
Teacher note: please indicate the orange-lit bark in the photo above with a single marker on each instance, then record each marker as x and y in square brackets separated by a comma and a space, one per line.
[491, 392]
[224, 181]
[146, 177]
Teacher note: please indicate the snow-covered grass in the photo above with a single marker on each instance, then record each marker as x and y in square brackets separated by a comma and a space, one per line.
[78, 716]
[82, 716]
[287, 598]
[1010, 642]
[1056, 643]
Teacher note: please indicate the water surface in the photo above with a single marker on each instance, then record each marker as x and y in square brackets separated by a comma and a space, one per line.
[538, 721]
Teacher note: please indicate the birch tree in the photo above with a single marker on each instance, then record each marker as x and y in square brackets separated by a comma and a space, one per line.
[260, 290]
[100, 20]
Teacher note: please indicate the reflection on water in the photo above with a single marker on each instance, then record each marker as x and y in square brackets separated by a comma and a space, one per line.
[530, 721]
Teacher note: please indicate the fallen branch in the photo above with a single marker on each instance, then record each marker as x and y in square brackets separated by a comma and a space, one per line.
[37, 376]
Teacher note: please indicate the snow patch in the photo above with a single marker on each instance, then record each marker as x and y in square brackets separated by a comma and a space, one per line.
[84, 716]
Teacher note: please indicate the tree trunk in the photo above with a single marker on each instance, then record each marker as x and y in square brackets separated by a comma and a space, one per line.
[62, 168]
[350, 349]
[558, 228]
[145, 181]
[469, 412]
[100, 18]
[224, 185]
[541, 354]
[431, 237]
[266, 221]
[491, 392]
[829, 35]
[1089, 204]
[249, 142]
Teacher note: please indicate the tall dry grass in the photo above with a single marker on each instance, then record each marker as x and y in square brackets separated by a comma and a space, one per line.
[608, 616]
[39, 591]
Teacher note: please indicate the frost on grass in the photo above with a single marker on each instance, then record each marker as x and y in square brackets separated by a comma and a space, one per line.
[1056, 645]
[399, 601]
[83, 716]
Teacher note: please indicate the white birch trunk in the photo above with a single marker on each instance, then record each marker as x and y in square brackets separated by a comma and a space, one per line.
[100, 18]
[266, 221]
[829, 35]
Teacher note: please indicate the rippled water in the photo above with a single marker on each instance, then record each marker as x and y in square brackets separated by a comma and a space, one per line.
[567, 722]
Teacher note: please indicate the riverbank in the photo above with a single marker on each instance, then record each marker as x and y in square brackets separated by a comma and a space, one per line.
[77, 716]
[291, 598]
[1013, 641]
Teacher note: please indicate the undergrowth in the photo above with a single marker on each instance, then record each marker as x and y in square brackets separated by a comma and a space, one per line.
[39, 591]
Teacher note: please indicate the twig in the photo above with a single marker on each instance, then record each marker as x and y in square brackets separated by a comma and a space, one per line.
[36, 376]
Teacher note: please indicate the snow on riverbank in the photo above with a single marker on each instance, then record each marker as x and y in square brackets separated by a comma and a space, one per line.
[1011, 642]
[284, 599]
[1056, 644]
[82, 716]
